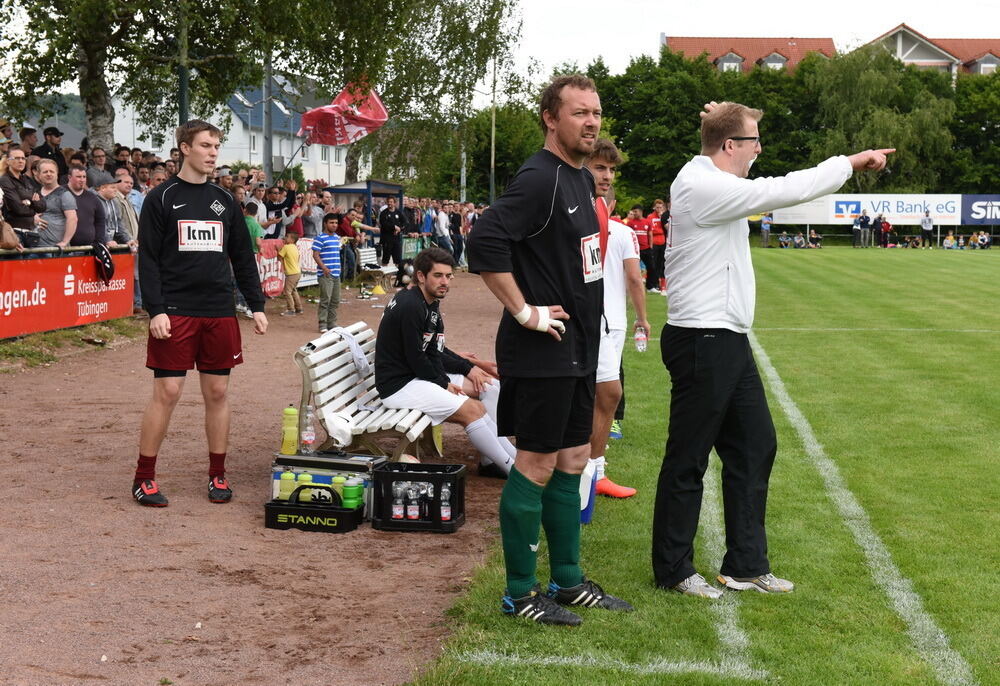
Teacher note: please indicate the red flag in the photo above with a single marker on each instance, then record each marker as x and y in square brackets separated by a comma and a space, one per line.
[347, 119]
[601, 207]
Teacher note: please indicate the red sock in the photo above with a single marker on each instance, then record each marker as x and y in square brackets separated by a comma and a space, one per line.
[216, 464]
[146, 468]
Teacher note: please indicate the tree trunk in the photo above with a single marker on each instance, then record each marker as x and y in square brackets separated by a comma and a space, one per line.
[92, 60]
[351, 164]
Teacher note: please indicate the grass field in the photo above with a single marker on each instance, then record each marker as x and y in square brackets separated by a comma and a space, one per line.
[890, 358]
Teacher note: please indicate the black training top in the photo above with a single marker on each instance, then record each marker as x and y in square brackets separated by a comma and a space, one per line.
[189, 233]
[410, 343]
[544, 230]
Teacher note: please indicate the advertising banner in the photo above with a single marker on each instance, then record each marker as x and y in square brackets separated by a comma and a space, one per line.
[59, 292]
[272, 272]
[272, 276]
[981, 209]
[902, 209]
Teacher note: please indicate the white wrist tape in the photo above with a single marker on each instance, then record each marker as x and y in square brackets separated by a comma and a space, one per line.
[544, 322]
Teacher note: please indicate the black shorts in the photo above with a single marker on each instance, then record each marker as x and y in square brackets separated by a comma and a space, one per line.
[547, 415]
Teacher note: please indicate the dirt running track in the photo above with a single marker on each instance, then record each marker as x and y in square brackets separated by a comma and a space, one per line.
[95, 589]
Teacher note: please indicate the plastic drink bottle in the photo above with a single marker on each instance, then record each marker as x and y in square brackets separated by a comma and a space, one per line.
[305, 495]
[445, 503]
[588, 483]
[289, 430]
[398, 509]
[286, 485]
[338, 485]
[412, 504]
[641, 338]
[353, 493]
[309, 431]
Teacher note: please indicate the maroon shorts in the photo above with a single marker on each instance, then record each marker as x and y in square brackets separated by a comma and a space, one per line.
[209, 342]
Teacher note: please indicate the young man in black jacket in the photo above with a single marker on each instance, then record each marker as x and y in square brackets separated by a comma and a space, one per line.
[190, 232]
[414, 369]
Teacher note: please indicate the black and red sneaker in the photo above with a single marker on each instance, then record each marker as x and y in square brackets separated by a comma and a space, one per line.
[219, 490]
[147, 493]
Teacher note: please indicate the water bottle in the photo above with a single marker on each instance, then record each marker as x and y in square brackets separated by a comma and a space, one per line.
[353, 494]
[309, 431]
[289, 430]
[398, 509]
[305, 479]
[286, 485]
[641, 338]
[445, 503]
[412, 504]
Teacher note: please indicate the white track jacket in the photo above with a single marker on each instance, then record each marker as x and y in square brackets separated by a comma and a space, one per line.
[710, 281]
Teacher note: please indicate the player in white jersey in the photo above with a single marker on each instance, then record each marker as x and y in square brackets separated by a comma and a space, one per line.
[620, 254]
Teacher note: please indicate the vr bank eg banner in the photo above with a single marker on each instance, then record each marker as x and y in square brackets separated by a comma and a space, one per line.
[902, 209]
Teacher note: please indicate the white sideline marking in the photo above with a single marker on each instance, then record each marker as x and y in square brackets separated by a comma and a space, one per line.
[734, 662]
[930, 641]
[660, 666]
[872, 328]
[859, 329]
[733, 641]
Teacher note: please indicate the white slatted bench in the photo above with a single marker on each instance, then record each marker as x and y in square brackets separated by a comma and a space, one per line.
[382, 275]
[332, 384]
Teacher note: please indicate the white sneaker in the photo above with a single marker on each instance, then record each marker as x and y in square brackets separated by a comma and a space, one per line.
[765, 583]
[697, 586]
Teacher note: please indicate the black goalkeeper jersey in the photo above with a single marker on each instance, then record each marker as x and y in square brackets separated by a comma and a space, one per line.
[189, 234]
[544, 230]
[410, 343]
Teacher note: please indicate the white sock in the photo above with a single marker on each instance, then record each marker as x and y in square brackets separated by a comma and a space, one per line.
[484, 437]
[489, 397]
[598, 463]
[504, 443]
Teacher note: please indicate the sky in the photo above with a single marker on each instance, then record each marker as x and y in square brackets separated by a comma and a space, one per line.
[556, 31]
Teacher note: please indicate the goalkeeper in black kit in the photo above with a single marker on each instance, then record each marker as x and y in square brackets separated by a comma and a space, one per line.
[538, 250]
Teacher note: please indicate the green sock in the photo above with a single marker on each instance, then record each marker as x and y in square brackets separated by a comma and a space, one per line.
[520, 519]
[561, 519]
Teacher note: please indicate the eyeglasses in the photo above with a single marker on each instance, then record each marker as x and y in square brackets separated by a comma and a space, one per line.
[755, 139]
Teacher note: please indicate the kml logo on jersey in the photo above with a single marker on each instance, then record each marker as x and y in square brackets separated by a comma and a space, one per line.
[590, 251]
[199, 236]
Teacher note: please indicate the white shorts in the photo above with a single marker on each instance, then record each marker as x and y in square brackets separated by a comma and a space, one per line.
[609, 358]
[434, 401]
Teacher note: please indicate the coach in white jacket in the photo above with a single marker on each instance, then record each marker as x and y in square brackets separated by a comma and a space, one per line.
[717, 398]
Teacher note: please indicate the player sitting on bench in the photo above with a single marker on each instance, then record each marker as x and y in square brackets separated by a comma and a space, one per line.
[409, 366]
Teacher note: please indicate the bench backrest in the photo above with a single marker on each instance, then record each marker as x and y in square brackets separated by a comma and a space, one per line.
[367, 256]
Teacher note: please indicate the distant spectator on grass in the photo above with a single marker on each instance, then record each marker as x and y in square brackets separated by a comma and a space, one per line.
[21, 201]
[58, 222]
[815, 240]
[784, 240]
[766, 220]
[984, 240]
[866, 224]
[799, 241]
[949, 241]
[927, 230]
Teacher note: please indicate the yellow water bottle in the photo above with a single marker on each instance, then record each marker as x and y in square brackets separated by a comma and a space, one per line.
[306, 494]
[286, 485]
[290, 431]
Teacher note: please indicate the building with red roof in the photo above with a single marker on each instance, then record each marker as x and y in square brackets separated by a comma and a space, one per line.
[952, 55]
[743, 54]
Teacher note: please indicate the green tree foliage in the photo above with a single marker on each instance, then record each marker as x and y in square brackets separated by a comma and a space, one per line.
[868, 99]
[863, 99]
[423, 56]
[976, 128]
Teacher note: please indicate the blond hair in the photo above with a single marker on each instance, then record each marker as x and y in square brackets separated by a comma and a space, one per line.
[725, 121]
